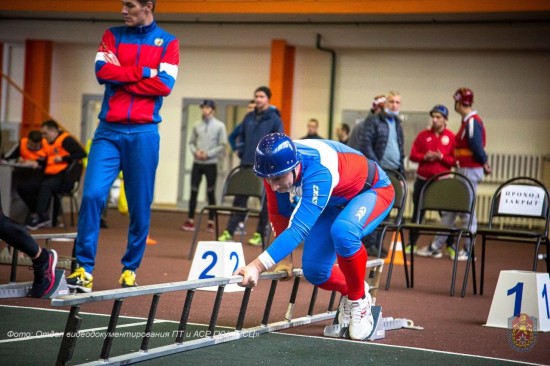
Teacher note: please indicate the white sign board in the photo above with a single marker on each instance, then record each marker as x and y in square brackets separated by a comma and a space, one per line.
[521, 200]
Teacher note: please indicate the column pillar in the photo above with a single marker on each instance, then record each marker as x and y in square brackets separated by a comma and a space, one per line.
[37, 83]
[281, 80]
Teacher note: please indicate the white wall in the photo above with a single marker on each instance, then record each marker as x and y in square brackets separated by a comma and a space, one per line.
[507, 66]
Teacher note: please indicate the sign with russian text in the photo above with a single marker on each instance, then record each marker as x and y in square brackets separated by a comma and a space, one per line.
[521, 200]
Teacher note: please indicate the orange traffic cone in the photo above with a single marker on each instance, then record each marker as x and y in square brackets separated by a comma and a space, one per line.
[398, 260]
[151, 241]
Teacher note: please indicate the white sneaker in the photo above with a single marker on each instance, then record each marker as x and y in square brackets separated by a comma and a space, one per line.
[427, 251]
[462, 254]
[344, 312]
[361, 322]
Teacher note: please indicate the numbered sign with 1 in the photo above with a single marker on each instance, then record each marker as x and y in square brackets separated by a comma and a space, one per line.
[521, 292]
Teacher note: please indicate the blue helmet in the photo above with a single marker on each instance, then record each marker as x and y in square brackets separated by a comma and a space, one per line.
[276, 154]
[440, 108]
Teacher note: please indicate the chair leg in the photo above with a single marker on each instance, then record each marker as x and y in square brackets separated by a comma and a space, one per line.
[195, 235]
[393, 247]
[536, 256]
[474, 278]
[408, 281]
[381, 241]
[412, 264]
[455, 264]
[469, 262]
[482, 274]
[73, 205]
[390, 270]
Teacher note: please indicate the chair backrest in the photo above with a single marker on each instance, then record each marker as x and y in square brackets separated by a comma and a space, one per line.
[241, 181]
[73, 173]
[521, 197]
[399, 184]
[448, 191]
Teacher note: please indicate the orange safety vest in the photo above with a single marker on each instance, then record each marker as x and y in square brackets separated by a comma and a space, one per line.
[27, 154]
[53, 150]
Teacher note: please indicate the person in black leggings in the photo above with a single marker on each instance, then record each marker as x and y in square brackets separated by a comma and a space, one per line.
[43, 260]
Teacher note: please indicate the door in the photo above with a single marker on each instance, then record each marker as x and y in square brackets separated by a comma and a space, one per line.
[229, 111]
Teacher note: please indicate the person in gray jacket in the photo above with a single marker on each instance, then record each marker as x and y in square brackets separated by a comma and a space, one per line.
[380, 138]
[207, 143]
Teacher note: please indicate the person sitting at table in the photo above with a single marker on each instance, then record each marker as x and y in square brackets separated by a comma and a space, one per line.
[30, 151]
[62, 150]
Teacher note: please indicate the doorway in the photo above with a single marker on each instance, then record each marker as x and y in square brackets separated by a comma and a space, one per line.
[229, 111]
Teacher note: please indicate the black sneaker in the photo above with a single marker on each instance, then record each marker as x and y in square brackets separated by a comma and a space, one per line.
[38, 221]
[44, 274]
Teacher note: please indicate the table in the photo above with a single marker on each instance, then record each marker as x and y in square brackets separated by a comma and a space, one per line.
[12, 174]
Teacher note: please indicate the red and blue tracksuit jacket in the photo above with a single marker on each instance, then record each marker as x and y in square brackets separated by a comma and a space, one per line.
[335, 211]
[131, 95]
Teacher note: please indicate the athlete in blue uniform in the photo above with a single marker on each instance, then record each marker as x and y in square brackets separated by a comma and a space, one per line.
[344, 196]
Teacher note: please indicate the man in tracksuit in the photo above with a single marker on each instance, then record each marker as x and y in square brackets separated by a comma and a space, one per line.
[344, 196]
[138, 64]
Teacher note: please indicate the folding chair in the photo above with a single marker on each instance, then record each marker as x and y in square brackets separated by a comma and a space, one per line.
[448, 191]
[73, 175]
[395, 219]
[514, 200]
[241, 181]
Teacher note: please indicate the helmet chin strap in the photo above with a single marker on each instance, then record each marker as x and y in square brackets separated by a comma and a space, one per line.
[294, 175]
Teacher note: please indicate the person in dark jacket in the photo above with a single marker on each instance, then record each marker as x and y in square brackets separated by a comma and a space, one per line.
[381, 139]
[263, 120]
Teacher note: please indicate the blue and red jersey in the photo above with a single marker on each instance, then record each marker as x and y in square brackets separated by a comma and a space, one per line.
[470, 142]
[132, 96]
[332, 174]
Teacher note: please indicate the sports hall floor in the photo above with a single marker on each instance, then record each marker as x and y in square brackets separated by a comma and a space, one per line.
[453, 326]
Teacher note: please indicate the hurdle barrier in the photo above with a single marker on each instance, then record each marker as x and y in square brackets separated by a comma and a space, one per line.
[73, 323]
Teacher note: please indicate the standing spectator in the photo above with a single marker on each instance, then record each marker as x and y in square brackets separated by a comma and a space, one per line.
[377, 106]
[30, 151]
[207, 143]
[342, 132]
[382, 141]
[232, 138]
[433, 150]
[312, 129]
[265, 119]
[343, 199]
[471, 160]
[138, 64]
[61, 150]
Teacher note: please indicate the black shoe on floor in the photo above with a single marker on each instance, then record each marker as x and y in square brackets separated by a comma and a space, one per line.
[38, 221]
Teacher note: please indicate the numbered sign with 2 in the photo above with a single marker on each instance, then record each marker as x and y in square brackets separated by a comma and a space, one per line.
[217, 259]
